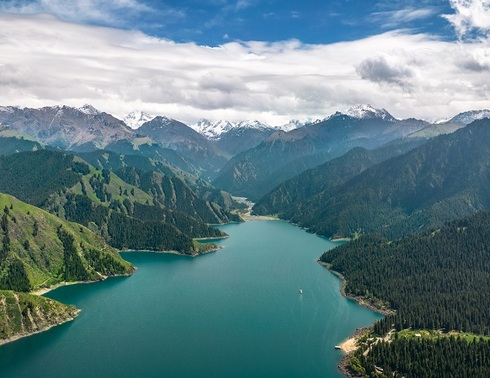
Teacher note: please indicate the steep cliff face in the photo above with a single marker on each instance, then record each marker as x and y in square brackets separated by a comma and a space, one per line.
[24, 314]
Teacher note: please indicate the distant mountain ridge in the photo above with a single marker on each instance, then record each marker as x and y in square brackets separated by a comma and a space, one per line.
[466, 118]
[282, 155]
[214, 130]
[247, 158]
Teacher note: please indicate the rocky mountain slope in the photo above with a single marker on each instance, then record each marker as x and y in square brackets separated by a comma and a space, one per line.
[177, 136]
[65, 127]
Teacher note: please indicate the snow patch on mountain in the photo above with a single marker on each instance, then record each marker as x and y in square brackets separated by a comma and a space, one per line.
[215, 129]
[163, 121]
[137, 118]
[466, 118]
[365, 111]
[7, 109]
[296, 124]
[89, 109]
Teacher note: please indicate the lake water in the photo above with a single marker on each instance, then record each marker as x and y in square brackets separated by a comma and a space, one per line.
[233, 313]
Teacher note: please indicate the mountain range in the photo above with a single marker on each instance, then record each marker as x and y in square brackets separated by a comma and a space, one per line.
[245, 158]
[282, 155]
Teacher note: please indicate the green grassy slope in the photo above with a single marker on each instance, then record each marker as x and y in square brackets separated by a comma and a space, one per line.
[38, 249]
[23, 314]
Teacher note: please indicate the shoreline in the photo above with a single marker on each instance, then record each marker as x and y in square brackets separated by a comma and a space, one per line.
[219, 247]
[359, 300]
[336, 240]
[44, 290]
[212, 238]
[21, 336]
[349, 346]
[248, 216]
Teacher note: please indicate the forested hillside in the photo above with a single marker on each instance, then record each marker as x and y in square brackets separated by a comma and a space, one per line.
[327, 177]
[73, 190]
[142, 165]
[417, 357]
[172, 193]
[436, 280]
[12, 142]
[444, 179]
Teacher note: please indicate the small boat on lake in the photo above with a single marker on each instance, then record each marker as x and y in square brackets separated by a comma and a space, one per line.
[301, 291]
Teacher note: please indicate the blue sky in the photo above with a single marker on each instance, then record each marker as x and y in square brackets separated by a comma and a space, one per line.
[310, 21]
[271, 60]
[213, 22]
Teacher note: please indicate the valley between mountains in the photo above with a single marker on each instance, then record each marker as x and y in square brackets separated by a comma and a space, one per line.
[412, 198]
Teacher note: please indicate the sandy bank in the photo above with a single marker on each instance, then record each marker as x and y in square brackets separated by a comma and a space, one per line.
[44, 290]
[248, 216]
[349, 345]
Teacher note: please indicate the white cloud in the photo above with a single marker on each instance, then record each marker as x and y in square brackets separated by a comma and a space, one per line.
[45, 61]
[98, 11]
[396, 18]
[472, 16]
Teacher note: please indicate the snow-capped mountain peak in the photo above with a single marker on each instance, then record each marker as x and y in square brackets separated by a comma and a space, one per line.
[7, 109]
[89, 109]
[214, 129]
[365, 111]
[296, 124]
[137, 118]
[466, 118]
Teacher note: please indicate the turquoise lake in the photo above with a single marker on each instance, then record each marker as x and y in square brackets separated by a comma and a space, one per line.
[233, 313]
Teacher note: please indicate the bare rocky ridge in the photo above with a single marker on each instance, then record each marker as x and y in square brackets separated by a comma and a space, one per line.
[66, 127]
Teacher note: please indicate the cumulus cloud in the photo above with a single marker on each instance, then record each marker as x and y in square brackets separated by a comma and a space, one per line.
[471, 17]
[379, 70]
[46, 61]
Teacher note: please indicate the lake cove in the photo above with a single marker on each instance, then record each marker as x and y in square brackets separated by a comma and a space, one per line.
[237, 312]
